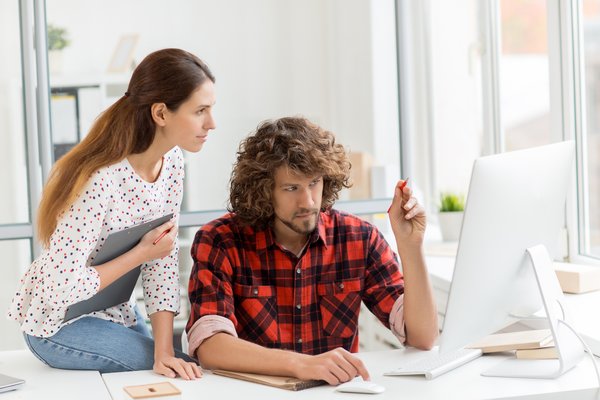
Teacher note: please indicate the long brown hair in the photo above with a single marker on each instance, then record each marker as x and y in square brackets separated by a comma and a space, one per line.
[167, 76]
[296, 142]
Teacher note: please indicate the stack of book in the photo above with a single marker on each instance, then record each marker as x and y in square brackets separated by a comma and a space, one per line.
[531, 344]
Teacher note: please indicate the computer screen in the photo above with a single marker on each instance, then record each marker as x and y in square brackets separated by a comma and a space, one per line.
[516, 200]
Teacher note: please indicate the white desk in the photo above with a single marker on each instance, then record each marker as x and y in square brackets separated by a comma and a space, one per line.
[462, 383]
[43, 382]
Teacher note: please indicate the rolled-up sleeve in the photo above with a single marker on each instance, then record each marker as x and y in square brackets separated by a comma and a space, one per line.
[206, 327]
[210, 290]
[397, 325]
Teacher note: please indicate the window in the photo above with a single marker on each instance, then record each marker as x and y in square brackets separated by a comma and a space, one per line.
[14, 212]
[589, 240]
[524, 74]
[12, 131]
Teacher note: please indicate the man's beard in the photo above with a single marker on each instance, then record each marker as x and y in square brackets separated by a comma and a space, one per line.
[305, 227]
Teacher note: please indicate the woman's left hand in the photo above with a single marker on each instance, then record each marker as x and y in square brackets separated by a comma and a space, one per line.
[171, 366]
[407, 216]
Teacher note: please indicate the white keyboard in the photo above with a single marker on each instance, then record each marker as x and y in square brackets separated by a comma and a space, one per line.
[434, 365]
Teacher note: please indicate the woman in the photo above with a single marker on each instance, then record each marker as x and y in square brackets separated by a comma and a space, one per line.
[128, 169]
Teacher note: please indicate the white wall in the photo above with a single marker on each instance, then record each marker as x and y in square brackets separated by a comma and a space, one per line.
[272, 58]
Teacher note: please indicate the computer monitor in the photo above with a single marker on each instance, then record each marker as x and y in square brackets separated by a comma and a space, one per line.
[516, 200]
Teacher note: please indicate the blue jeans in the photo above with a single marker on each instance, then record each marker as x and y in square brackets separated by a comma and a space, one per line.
[96, 344]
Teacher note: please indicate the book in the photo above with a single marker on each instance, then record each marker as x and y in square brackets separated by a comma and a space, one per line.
[282, 382]
[543, 353]
[530, 339]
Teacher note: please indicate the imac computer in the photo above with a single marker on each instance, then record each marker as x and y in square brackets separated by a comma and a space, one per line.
[516, 201]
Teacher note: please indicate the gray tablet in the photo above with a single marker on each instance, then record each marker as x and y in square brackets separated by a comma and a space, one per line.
[121, 289]
[9, 383]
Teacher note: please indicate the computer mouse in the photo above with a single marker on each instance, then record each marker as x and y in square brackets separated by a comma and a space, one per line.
[360, 387]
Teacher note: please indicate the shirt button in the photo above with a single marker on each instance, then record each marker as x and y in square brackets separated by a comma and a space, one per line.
[298, 306]
[341, 285]
[299, 340]
[298, 271]
[255, 291]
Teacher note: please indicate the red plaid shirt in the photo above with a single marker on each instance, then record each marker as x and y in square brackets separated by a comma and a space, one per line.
[309, 304]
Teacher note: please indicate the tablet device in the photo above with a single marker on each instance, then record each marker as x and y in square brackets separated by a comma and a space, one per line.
[120, 290]
[8, 383]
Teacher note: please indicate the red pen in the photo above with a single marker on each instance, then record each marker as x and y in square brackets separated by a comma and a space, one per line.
[162, 235]
[402, 185]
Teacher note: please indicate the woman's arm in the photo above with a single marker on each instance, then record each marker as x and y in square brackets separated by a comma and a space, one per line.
[165, 362]
[144, 251]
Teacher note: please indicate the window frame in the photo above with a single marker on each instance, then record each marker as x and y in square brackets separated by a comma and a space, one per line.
[575, 128]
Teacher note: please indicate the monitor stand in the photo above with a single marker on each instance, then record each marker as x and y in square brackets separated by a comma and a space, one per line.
[569, 348]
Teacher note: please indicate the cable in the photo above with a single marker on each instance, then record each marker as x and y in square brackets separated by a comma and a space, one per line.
[586, 347]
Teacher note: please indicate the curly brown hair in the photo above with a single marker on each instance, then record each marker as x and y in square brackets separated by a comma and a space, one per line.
[304, 147]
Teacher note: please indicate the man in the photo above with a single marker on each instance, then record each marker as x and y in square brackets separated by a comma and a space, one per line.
[277, 283]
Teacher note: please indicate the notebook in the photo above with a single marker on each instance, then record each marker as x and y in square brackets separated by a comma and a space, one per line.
[282, 382]
[8, 383]
[121, 289]
[543, 353]
[531, 339]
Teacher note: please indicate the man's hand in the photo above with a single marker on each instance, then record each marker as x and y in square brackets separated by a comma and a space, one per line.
[407, 216]
[334, 367]
[171, 366]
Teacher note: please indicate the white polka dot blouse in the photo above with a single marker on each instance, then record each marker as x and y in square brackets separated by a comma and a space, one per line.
[114, 198]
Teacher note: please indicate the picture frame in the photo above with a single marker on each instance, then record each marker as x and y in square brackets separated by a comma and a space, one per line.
[122, 58]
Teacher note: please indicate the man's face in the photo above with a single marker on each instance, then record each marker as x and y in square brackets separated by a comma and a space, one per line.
[296, 201]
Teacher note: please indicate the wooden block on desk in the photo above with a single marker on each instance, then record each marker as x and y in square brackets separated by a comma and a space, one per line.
[577, 278]
[162, 390]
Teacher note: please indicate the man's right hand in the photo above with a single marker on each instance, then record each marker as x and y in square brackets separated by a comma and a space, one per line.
[334, 367]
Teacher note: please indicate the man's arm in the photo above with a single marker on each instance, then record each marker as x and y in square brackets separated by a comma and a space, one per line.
[420, 312]
[223, 351]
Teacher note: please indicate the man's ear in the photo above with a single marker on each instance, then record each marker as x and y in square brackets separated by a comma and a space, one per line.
[159, 113]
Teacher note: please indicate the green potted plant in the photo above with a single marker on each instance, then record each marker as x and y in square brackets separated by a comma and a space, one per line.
[58, 39]
[451, 211]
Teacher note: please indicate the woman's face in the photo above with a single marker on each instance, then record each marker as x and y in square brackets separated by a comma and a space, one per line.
[188, 126]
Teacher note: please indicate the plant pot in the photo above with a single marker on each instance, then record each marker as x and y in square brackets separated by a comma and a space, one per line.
[450, 224]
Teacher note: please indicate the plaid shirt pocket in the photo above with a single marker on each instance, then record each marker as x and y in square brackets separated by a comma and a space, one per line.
[256, 311]
[340, 304]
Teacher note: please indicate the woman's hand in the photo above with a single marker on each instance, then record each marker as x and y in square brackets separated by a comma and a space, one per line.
[153, 246]
[407, 217]
[170, 366]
